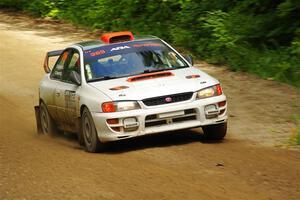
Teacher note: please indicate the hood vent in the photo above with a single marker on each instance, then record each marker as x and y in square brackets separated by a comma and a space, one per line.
[150, 76]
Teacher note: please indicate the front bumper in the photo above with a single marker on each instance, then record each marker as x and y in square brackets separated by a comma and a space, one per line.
[155, 119]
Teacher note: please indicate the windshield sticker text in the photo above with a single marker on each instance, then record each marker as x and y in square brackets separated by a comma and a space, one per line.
[97, 53]
[120, 48]
[147, 45]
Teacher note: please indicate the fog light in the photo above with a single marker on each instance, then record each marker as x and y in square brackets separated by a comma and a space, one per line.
[211, 111]
[130, 124]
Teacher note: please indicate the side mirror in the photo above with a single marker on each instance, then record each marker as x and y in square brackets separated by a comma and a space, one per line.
[75, 77]
[189, 59]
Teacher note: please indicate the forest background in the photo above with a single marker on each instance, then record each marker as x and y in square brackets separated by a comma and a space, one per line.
[258, 36]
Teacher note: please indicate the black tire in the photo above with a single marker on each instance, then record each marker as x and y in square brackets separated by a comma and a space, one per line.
[48, 126]
[89, 132]
[215, 132]
[80, 137]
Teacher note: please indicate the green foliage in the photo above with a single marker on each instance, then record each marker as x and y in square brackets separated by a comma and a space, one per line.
[258, 36]
[12, 4]
[298, 137]
[295, 137]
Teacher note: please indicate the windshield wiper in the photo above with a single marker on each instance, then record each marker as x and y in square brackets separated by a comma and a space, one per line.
[179, 67]
[103, 78]
[147, 71]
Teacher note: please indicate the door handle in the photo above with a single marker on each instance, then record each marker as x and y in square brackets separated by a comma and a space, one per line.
[57, 94]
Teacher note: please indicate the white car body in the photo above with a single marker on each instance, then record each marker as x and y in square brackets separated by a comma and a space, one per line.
[65, 101]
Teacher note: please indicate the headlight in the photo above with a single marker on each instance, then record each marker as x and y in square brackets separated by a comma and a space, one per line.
[120, 106]
[215, 90]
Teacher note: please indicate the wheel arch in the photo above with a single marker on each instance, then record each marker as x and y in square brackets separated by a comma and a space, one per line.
[81, 109]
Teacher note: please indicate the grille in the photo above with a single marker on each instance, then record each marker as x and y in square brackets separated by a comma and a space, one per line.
[173, 98]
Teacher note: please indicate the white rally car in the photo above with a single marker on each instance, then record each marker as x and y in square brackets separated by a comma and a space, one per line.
[125, 86]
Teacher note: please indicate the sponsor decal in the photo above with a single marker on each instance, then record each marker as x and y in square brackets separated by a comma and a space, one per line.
[119, 88]
[70, 99]
[147, 45]
[193, 76]
[120, 48]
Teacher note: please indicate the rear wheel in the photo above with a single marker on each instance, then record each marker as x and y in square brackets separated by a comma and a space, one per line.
[47, 123]
[215, 132]
[89, 132]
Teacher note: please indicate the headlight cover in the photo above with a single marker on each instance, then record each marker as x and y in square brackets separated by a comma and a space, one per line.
[120, 106]
[215, 90]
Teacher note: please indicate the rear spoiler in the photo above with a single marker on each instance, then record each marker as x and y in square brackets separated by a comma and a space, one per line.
[48, 55]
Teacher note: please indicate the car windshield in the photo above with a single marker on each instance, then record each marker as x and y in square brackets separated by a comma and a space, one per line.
[130, 58]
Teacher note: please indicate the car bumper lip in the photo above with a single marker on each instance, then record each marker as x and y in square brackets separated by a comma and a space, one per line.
[106, 134]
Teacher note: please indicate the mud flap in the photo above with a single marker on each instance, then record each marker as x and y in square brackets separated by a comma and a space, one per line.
[79, 132]
[38, 119]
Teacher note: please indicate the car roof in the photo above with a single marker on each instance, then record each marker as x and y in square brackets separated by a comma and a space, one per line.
[86, 45]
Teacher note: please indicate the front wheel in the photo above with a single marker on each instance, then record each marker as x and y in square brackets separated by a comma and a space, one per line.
[89, 132]
[215, 132]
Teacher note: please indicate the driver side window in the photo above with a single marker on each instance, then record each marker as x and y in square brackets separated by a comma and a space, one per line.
[72, 65]
[57, 71]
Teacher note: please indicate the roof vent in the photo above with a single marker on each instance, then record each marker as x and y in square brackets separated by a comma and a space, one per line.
[116, 37]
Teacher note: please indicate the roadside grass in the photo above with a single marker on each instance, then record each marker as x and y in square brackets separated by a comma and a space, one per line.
[295, 136]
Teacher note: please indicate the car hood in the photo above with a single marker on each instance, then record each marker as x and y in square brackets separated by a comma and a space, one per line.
[142, 89]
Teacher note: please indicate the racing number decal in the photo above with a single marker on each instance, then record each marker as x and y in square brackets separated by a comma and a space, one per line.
[97, 53]
[70, 99]
[70, 106]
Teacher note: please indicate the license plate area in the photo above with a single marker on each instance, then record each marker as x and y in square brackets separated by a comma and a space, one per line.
[170, 114]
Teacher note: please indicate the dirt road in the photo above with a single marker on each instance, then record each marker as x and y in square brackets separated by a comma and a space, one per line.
[178, 165]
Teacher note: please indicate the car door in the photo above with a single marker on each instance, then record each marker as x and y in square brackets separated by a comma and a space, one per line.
[54, 82]
[66, 97]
